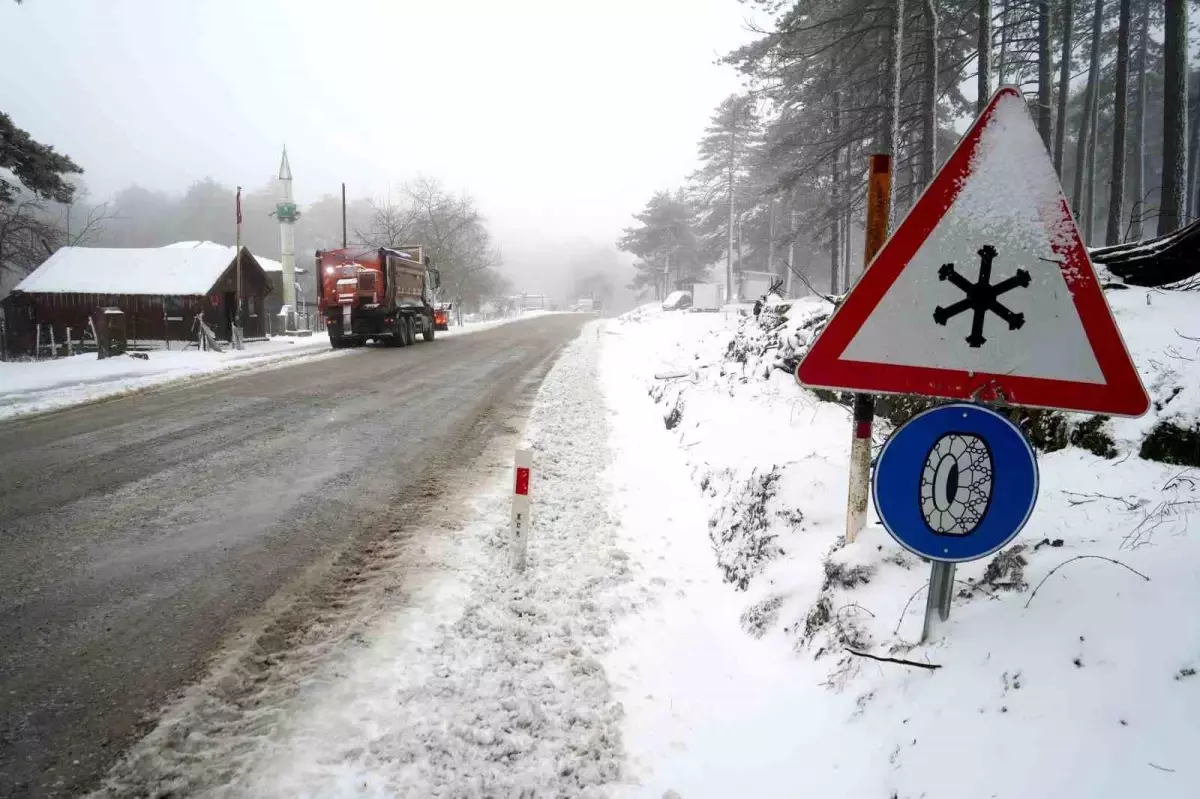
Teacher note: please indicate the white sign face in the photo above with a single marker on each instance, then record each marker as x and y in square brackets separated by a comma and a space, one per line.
[1005, 202]
[984, 291]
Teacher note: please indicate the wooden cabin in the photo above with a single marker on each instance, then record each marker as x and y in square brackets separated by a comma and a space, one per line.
[161, 290]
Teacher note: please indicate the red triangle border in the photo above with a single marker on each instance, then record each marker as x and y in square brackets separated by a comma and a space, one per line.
[1122, 393]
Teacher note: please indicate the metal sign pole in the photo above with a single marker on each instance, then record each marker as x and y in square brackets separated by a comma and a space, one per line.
[941, 591]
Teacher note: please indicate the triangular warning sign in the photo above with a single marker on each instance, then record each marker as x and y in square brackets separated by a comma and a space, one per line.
[985, 290]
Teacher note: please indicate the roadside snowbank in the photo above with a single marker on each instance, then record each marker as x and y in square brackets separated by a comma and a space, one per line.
[37, 386]
[739, 681]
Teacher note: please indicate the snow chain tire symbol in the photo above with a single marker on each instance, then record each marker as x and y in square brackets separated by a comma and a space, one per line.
[956, 484]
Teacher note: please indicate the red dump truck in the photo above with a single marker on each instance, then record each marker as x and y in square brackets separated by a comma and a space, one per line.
[383, 294]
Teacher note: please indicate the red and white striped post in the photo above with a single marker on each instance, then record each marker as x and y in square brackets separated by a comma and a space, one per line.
[522, 471]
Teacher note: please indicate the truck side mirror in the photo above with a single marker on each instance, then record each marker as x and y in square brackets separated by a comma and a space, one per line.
[437, 278]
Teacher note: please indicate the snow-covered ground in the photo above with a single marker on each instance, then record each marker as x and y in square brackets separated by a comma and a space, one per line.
[37, 386]
[1057, 676]
[688, 621]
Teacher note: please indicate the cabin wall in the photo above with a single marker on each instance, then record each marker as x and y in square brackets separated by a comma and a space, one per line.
[149, 319]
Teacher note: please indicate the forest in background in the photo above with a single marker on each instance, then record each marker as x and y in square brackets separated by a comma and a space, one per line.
[782, 176]
[423, 210]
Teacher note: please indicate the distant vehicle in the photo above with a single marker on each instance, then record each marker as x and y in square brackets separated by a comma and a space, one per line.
[585, 305]
[384, 294]
[441, 315]
[706, 296]
[677, 301]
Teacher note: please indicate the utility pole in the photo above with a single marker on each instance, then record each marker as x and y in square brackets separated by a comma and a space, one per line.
[791, 243]
[235, 335]
[344, 245]
[729, 247]
[771, 238]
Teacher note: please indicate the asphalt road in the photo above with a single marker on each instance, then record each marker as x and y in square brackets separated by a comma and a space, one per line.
[136, 535]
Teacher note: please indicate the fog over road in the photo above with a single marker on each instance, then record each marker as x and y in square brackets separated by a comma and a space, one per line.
[137, 535]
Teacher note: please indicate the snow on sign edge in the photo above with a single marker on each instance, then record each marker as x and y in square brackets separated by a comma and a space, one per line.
[1010, 202]
[1121, 393]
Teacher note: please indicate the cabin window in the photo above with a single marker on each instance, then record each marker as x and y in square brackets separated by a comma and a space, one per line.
[172, 308]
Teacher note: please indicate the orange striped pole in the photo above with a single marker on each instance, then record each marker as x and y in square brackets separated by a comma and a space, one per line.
[879, 183]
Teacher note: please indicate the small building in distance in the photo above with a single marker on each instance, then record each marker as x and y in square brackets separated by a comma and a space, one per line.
[161, 290]
[530, 302]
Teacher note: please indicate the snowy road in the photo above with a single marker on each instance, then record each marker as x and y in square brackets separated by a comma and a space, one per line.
[140, 535]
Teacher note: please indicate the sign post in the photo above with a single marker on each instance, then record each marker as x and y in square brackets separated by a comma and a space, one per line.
[522, 471]
[955, 483]
[983, 294]
[879, 182]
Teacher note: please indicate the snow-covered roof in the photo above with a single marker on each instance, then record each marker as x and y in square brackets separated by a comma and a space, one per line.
[266, 263]
[191, 245]
[155, 270]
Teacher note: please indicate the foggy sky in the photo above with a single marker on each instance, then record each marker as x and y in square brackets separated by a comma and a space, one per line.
[561, 117]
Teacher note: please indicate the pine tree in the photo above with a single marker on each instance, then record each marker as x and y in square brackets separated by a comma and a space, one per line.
[1045, 107]
[1112, 234]
[1139, 125]
[37, 166]
[1086, 130]
[983, 50]
[1064, 85]
[1174, 182]
[663, 240]
[727, 153]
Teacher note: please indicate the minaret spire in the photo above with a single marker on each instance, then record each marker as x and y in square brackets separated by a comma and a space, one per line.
[286, 213]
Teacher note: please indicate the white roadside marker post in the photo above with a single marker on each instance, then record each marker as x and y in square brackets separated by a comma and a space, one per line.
[522, 468]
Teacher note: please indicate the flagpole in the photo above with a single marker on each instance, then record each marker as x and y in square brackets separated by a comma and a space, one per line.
[237, 318]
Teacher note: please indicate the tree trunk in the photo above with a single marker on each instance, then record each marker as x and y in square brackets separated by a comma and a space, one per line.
[848, 171]
[1175, 58]
[1003, 66]
[1136, 228]
[929, 94]
[1045, 82]
[1193, 154]
[791, 256]
[1093, 139]
[1064, 86]
[892, 127]
[983, 85]
[909, 150]
[771, 237]
[1116, 197]
[732, 185]
[835, 209]
[1077, 197]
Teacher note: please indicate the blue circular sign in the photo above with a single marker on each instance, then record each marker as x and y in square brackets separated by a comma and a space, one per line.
[955, 483]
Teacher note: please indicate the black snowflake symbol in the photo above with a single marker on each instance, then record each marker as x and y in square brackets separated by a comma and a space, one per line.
[981, 296]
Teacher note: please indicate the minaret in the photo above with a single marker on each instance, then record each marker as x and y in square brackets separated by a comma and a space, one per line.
[285, 211]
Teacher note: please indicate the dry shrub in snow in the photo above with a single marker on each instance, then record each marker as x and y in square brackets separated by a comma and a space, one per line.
[741, 530]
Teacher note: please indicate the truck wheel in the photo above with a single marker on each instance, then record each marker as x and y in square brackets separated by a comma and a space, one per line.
[429, 331]
[410, 332]
[336, 341]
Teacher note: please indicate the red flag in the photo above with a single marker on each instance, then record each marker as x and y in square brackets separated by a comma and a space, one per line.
[239, 205]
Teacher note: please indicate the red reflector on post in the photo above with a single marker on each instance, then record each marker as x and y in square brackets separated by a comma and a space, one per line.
[523, 481]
